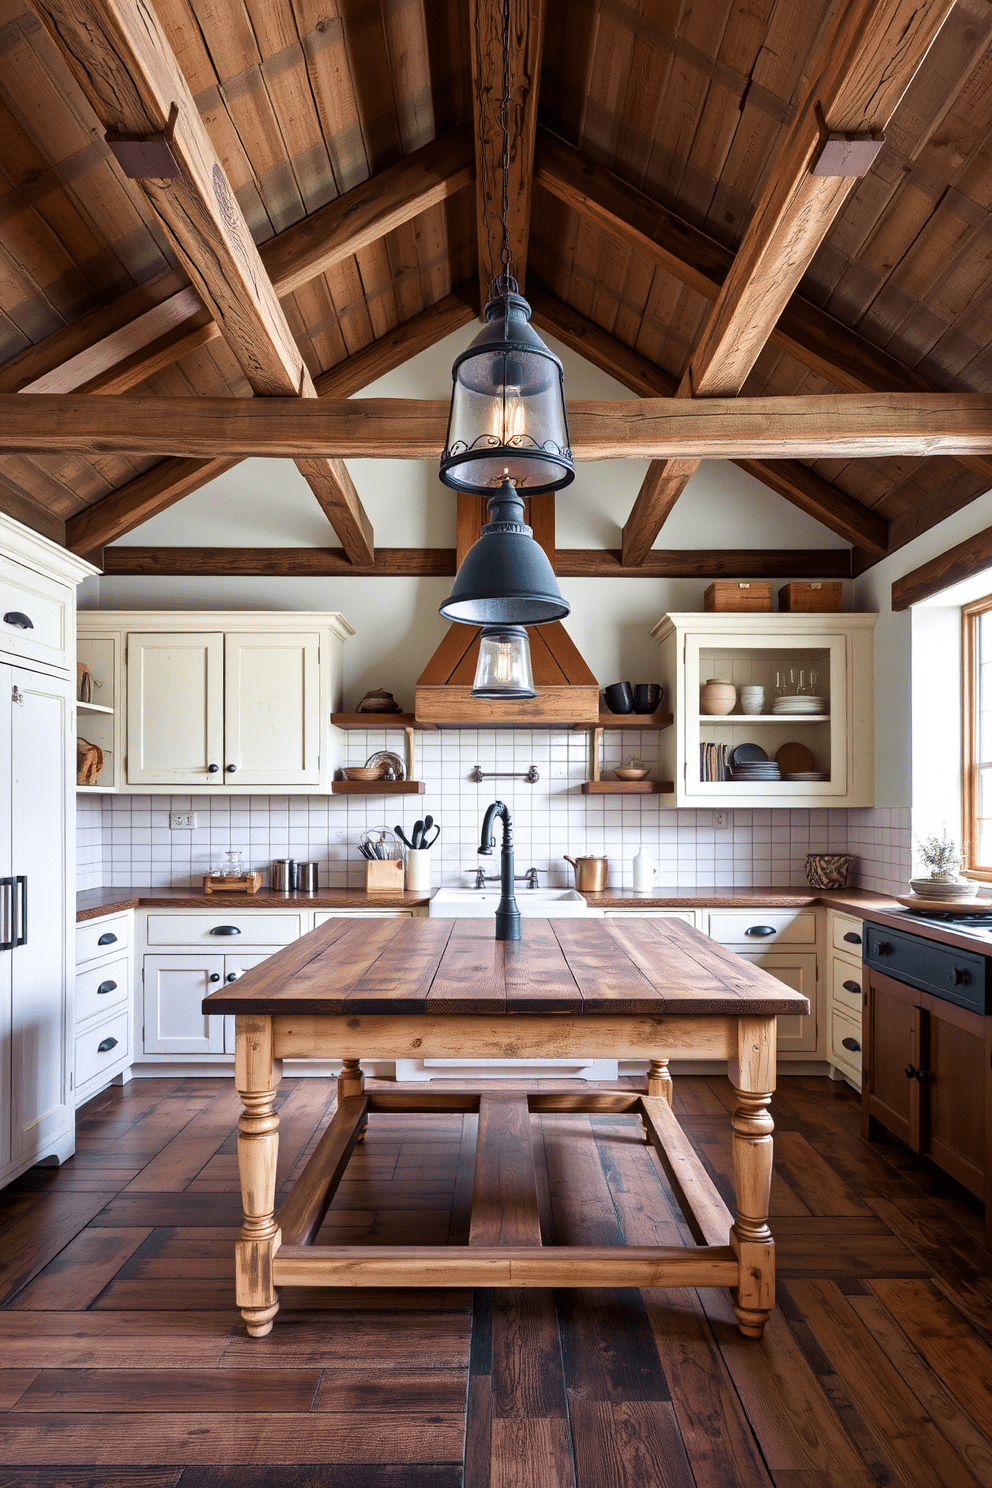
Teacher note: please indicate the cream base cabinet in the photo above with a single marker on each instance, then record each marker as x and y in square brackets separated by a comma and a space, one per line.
[786, 943]
[222, 702]
[845, 995]
[104, 989]
[826, 654]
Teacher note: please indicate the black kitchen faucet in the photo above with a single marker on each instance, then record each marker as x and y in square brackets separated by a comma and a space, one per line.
[507, 913]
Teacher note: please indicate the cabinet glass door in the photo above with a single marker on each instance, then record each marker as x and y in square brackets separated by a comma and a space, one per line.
[175, 709]
[272, 709]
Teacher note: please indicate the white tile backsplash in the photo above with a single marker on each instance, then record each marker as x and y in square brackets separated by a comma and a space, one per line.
[126, 840]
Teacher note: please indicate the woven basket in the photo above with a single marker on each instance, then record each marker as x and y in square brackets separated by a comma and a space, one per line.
[827, 870]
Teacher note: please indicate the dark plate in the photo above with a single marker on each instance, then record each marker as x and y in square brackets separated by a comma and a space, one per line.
[748, 754]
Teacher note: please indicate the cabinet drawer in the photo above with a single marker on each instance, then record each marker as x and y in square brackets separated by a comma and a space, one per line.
[113, 930]
[223, 930]
[46, 604]
[688, 915]
[102, 1048]
[750, 927]
[323, 915]
[102, 987]
[845, 1042]
[846, 987]
[846, 934]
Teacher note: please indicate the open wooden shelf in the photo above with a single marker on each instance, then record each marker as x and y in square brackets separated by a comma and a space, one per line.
[632, 721]
[377, 788]
[627, 787]
[374, 720]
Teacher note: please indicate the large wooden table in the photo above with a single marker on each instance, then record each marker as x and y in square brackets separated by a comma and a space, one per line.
[436, 988]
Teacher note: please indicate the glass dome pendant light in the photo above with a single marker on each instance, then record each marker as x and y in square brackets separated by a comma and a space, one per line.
[507, 429]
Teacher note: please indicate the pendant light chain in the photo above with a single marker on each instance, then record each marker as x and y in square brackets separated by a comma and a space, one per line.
[504, 119]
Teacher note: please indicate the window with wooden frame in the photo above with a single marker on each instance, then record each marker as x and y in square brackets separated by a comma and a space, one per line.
[976, 651]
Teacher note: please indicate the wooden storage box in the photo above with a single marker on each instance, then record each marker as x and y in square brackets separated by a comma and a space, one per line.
[247, 883]
[729, 594]
[809, 597]
[384, 876]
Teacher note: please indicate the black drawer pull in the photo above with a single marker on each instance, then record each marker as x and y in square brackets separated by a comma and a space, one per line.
[852, 938]
[232, 976]
[854, 987]
[852, 1044]
[107, 938]
[214, 976]
[225, 930]
[106, 1046]
[106, 987]
[15, 617]
[760, 930]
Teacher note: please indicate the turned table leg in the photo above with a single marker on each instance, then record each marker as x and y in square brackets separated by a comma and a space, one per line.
[351, 1081]
[753, 1079]
[660, 1081]
[257, 1075]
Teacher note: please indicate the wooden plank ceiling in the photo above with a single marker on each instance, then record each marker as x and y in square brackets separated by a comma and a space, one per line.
[325, 205]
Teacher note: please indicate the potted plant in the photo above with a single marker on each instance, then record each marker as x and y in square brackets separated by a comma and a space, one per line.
[940, 856]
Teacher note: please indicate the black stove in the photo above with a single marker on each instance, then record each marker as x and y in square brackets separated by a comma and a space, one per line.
[960, 976]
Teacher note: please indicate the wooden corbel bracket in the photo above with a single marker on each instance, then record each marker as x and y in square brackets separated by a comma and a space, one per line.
[147, 157]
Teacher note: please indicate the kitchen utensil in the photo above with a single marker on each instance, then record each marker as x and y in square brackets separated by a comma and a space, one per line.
[590, 872]
[647, 696]
[379, 701]
[418, 832]
[402, 836]
[388, 765]
[646, 870]
[380, 843]
[306, 877]
[437, 833]
[795, 758]
[360, 772]
[619, 697]
[283, 875]
[717, 698]
[828, 870]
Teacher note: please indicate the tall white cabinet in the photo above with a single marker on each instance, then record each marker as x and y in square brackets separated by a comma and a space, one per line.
[37, 847]
[216, 702]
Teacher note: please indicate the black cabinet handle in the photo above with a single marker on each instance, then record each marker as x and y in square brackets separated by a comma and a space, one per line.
[15, 617]
[852, 987]
[106, 1046]
[231, 769]
[923, 1077]
[760, 930]
[909, 1071]
[225, 930]
[852, 938]
[106, 987]
[959, 976]
[108, 938]
[883, 948]
[20, 929]
[852, 1044]
[212, 769]
[232, 976]
[214, 976]
[5, 884]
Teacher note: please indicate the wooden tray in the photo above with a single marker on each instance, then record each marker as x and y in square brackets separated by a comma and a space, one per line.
[248, 883]
[958, 906]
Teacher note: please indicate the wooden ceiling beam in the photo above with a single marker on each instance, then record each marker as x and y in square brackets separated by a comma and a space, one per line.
[122, 61]
[804, 488]
[870, 57]
[440, 563]
[824, 426]
[172, 479]
[964, 561]
[526, 35]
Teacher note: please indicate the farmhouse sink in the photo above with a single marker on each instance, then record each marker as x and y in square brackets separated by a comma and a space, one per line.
[478, 904]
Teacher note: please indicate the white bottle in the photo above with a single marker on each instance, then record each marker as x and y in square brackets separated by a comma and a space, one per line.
[645, 872]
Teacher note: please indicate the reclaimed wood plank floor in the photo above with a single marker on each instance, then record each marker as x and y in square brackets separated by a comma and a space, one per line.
[124, 1363]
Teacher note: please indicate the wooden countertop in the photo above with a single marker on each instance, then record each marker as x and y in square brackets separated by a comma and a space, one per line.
[859, 902]
[563, 966]
[90, 903]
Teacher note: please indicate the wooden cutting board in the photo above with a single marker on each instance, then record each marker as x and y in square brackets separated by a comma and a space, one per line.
[795, 759]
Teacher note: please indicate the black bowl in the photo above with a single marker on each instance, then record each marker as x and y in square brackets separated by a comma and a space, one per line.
[619, 697]
[647, 696]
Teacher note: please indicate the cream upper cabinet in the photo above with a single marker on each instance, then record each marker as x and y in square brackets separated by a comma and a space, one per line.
[826, 655]
[215, 702]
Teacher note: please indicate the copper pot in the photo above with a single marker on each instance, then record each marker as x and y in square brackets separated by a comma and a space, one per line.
[590, 873]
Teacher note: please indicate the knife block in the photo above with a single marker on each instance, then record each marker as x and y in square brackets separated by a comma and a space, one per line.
[384, 876]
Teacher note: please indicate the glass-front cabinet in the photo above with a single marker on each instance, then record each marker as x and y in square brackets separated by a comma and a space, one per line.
[770, 709]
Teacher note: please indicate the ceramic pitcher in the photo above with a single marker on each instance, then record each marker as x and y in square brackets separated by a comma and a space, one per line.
[645, 871]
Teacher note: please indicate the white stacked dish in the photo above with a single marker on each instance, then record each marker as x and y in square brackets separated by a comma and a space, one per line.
[807, 775]
[801, 704]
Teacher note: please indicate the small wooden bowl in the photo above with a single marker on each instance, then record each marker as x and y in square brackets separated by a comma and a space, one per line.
[361, 772]
[627, 772]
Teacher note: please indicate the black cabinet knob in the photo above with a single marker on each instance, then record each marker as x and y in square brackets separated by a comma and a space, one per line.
[106, 987]
[959, 976]
[214, 976]
[760, 930]
[107, 939]
[852, 1044]
[883, 948]
[852, 987]
[231, 769]
[225, 930]
[15, 617]
[923, 1076]
[212, 769]
[909, 1071]
[106, 1046]
[852, 938]
[232, 976]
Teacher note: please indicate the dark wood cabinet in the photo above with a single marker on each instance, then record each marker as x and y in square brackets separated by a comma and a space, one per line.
[928, 1080]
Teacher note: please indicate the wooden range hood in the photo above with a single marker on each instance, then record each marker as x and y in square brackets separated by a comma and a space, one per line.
[567, 691]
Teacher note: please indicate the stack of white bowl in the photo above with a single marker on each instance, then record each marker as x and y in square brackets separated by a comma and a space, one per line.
[752, 699]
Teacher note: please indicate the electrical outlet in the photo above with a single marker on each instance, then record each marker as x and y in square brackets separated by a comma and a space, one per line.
[182, 821]
[721, 820]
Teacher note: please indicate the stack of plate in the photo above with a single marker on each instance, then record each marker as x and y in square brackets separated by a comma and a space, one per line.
[808, 775]
[750, 762]
[801, 704]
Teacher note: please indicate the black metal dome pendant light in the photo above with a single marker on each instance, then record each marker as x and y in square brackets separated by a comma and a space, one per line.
[507, 428]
